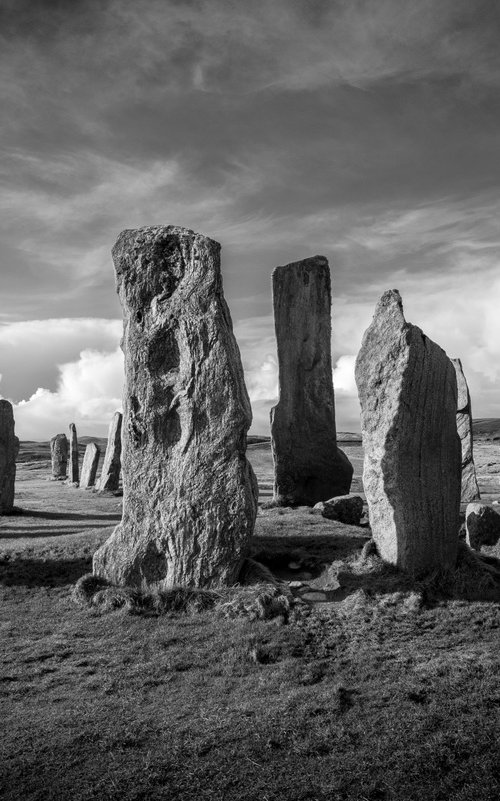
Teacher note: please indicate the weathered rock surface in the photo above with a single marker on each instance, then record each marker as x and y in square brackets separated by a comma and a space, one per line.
[308, 465]
[110, 473]
[89, 466]
[470, 489]
[482, 525]
[9, 448]
[412, 469]
[59, 455]
[345, 508]
[189, 494]
[73, 472]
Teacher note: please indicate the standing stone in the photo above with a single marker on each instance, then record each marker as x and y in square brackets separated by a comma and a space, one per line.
[110, 474]
[73, 475]
[59, 456]
[9, 448]
[189, 494]
[470, 489]
[408, 394]
[89, 466]
[308, 465]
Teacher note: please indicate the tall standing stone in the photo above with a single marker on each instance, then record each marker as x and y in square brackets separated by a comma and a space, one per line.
[59, 455]
[110, 473]
[73, 475]
[470, 489]
[9, 448]
[89, 466]
[408, 394]
[308, 465]
[189, 494]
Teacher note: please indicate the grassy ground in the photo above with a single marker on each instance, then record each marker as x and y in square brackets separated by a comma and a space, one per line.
[363, 694]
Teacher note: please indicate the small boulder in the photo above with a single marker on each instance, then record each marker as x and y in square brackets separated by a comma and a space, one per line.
[344, 508]
[482, 525]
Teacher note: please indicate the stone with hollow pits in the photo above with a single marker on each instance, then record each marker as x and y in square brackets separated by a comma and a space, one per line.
[189, 493]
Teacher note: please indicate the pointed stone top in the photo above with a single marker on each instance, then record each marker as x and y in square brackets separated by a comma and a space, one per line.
[390, 304]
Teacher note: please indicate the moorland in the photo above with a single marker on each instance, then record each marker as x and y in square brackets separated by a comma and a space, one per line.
[369, 689]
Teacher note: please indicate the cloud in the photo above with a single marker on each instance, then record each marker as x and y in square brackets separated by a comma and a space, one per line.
[31, 350]
[88, 393]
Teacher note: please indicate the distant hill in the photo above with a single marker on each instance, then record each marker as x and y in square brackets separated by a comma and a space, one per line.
[486, 428]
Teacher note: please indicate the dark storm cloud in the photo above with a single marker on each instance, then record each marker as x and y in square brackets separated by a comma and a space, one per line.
[367, 131]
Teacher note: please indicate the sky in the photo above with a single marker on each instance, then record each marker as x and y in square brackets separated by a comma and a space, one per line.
[366, 131]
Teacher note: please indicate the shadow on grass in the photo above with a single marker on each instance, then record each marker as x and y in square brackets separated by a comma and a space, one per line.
[111, 516]
[33, 532]
[476, 577]
[43, 573]
[311, 552]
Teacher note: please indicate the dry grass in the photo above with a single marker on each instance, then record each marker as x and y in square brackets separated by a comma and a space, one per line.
[385, 693]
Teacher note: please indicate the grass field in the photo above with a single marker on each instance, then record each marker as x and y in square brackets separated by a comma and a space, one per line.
[367, 692]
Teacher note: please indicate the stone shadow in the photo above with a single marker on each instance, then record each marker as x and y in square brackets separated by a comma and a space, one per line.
[43, 573]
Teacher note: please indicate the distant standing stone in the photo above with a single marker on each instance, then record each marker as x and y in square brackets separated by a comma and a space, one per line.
[73, 475]
[309, 467]
[59, 455]
[482, 525]
[412, 470]
[189, 493]
[110, 473]
[89, 466]
[470, 489]
[9, 448]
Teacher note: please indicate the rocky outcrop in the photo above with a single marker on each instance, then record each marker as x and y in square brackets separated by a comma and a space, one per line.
[110, 473]
[470, 489]
[308, 465]
[59, 457]
[9, 448]
[482, 525]
[89, 466]
[73, 472]
[408, 394]
[189, 494]
[345, 508]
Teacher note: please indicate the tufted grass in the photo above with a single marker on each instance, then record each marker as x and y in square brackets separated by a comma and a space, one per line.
[385, 693]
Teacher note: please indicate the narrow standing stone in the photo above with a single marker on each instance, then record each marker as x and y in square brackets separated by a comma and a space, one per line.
[59, 456]
[189, 494]
[110, 473]
[408, 394]
[308, 465]
[89, 466]
[73, 475]
[470, 489]
[9, 448]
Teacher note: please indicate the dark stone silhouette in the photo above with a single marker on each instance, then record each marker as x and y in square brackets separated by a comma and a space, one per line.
[309, 467]
[9, 448]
